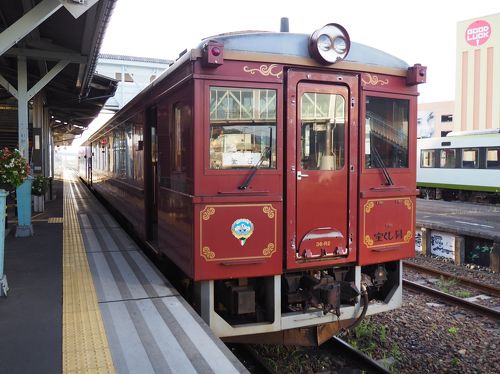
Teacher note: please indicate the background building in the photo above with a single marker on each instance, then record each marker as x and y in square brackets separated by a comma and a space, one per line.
[477, 92]
[477, 95]
[132, 73]
[435, 119]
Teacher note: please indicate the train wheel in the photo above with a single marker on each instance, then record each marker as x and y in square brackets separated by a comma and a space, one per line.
[464, 195]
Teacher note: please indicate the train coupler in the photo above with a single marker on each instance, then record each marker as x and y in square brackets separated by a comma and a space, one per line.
[327, 293]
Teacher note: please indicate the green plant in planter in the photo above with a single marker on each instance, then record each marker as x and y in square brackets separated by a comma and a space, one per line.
[40, 185]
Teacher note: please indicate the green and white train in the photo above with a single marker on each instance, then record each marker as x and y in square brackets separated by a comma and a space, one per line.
[463, 166]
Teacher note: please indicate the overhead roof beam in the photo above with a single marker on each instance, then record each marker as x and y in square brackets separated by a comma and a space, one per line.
[47, 78]
[2, 18]
[27, 23]
[5, 83]
[35, 35]
[39, 54]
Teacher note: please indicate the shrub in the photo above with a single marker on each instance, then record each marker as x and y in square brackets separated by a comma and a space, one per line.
[40, 185]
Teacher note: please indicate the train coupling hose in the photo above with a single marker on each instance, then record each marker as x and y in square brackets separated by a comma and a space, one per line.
[364, 297]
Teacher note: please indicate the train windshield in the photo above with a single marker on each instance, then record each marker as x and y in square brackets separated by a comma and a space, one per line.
[386, 142]
[242, 128]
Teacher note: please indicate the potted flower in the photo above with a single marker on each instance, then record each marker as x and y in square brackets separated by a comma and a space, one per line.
[14, 169]
[38, 189]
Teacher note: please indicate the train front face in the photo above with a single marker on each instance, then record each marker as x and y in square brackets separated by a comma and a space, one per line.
[308, 183]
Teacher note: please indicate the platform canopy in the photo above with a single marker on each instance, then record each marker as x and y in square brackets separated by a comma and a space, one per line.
[56, 43]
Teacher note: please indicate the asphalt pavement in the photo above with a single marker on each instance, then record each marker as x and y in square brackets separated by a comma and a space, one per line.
[478, 220]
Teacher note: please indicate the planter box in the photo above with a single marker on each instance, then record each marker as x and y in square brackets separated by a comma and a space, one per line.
[38, 203]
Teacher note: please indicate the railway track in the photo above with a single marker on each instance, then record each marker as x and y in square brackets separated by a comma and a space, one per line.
[343, 356]
[249, 357]
[365, 363]
[488, 289]
[462, 281]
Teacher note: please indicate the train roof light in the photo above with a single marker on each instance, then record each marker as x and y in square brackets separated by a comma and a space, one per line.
[213, 54]
[416, 74]
[329, 44]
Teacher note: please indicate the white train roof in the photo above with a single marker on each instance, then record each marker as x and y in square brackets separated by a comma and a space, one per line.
[291, 44]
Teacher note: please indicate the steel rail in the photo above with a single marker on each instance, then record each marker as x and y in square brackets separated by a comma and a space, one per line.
[369, 365]
[250, 358]
[490, 290]
[453, 299]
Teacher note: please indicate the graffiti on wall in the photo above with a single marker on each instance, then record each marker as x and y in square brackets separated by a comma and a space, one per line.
[418, 241]
[442, 244]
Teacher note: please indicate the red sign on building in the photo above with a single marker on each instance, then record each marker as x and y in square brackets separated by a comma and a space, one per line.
[478, 33]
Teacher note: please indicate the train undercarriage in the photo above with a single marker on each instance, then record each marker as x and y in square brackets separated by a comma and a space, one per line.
[448, 194]
[281, 308]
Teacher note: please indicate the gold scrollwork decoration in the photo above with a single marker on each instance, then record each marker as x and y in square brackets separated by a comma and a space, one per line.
[368, 241]
[264, 70]
[207, 253]
[408, 236]
[408, 204]
[269, 210]
[373, 80]
[369, 206]
[269, 250]
[207, 213]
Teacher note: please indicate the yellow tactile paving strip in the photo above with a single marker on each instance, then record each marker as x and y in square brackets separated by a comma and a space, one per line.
[85, 346]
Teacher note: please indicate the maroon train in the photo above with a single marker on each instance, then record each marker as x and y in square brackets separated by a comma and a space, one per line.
[277, 172]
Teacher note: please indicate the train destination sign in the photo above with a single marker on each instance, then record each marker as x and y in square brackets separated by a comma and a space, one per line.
[478, 33]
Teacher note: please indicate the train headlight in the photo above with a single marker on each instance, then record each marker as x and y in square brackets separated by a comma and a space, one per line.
[329, 44]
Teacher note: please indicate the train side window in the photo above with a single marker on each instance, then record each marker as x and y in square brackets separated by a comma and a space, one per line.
[427, 157]
[448, 158]
[386, 132]
[129, 152]
[120, 151]
[242, 128]
[493, 158]
[470, 158]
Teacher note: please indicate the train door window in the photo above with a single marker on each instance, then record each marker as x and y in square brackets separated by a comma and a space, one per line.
[242, 128]
[493, 158]
[427, 157]
[182, 120]
[448, 158]
[138, 154]
[386, 131]
[322, 131]
[470, 158]
[177, 139]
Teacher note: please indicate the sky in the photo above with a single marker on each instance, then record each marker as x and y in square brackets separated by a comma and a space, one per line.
[416, 32]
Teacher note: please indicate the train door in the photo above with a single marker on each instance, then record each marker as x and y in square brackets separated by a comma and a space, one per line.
[321, 157]
[151, 176]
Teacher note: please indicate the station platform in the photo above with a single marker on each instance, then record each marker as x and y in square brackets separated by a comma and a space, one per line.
[83, 298]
